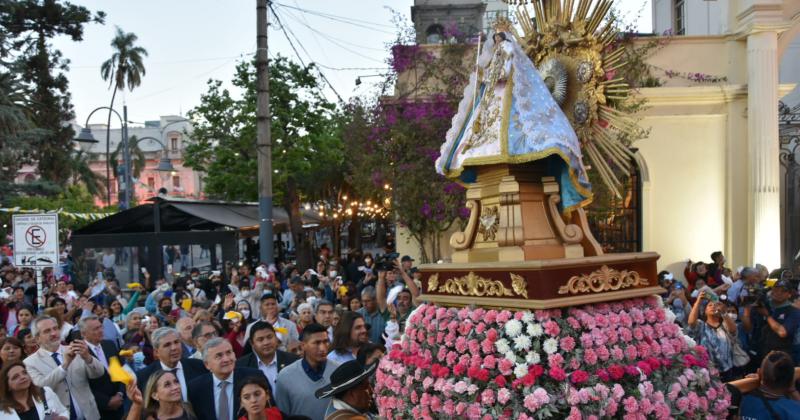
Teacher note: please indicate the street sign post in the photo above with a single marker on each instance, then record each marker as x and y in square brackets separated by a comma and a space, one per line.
[36, 245]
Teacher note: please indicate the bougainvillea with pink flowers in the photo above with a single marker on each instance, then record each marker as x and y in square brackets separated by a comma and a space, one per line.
[625, 359]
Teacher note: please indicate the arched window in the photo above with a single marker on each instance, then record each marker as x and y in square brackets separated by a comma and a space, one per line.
[617, 222]
[30, 178]
[434, 34]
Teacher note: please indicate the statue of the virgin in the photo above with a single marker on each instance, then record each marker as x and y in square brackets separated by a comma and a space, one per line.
[507, 115]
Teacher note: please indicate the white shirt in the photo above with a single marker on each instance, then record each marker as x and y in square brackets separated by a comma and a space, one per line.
[228, 390]
[181, 378]
[98, 352]
[270, 370]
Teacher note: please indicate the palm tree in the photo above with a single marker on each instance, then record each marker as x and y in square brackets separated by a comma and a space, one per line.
[82, 172]
[138, 159]
[125, 67]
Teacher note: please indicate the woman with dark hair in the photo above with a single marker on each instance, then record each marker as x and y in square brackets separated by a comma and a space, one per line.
[11, 350]
[348, 335]
[255, 400]
[20, 399]
[29, 344]
[715, 333]
[776, 396]
[162, 399]
[24, 319]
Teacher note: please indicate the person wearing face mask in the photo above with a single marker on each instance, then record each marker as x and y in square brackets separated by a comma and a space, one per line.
[197, 294]
[250, 295]
[216, 287]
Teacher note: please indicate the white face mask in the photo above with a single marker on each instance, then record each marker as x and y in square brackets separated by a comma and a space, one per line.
[245, 294]
[164, 287]
[245, 313]
[332, 274]
[733, 316]
[190, 286]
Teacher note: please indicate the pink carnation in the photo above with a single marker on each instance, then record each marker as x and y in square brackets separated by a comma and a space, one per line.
[557, 373]
[487, 397]
[551, 328]
[567, 343]
[503, 395]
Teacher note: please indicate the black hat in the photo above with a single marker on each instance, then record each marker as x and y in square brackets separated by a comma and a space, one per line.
[347, 375]
[784, 284]
[406, 258]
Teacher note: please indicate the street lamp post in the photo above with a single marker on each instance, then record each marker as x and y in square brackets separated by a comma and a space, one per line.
[164, 165]
[86, 136]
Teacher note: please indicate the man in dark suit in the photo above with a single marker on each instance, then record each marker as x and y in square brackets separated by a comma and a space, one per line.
[167, 346]
[265, 356]
[214, 395]
[108, 395]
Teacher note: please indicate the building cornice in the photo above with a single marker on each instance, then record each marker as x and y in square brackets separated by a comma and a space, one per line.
[701, 95]
[761, 17]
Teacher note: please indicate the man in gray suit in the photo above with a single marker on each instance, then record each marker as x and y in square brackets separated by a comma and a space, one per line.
[65, 369]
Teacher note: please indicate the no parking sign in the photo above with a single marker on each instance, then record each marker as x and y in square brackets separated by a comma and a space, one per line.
[35, 240]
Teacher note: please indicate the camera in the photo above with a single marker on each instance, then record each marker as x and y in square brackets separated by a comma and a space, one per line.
[756, 295]
[386, 262]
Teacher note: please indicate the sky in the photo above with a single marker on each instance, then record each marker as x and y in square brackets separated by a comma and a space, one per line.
[192, 41]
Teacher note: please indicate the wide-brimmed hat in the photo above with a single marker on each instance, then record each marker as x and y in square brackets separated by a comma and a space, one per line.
[348, 375]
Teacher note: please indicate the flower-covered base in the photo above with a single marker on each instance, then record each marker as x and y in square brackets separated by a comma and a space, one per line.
[624, 359]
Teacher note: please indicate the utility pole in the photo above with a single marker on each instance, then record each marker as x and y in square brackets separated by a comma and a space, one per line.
[263, 136]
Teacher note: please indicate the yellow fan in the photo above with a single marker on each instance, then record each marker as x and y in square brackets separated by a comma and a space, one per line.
[118, 373]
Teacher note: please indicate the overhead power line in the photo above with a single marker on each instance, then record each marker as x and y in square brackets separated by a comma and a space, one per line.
[286, 31]
[351, 21]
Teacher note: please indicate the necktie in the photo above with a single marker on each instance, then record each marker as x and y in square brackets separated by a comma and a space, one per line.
[223, 401]
[100, 355]
[72, 413]
[56, 358]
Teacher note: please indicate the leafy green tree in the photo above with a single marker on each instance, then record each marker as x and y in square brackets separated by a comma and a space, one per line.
[305, 140]
[125, 67]
[28, 26]
[82, 173]
[74, 198]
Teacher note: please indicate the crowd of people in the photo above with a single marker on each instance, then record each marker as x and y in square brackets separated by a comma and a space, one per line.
[252, 342]
[279, 341]
[749, 321]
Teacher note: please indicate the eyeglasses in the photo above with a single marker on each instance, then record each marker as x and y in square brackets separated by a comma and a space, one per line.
[209, 335]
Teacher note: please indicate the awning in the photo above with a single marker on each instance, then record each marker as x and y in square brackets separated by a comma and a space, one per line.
[179, 214]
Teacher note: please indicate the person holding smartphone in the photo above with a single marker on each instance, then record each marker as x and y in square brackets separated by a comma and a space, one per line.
[715, 333]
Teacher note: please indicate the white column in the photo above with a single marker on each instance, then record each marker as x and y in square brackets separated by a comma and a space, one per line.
[764, 231]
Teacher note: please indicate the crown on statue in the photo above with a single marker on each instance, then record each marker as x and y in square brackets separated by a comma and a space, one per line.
[502, 25]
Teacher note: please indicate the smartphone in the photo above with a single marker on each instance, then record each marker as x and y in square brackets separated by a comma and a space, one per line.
[169, 268]
[144, 270]
[215, 273]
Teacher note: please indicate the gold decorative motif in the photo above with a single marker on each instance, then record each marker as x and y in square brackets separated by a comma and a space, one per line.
[489, 222]
[433, 282]
[603, 280]
[475, 285]
[519, 284]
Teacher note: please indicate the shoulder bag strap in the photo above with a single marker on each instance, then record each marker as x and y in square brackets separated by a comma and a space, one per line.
[771, 410]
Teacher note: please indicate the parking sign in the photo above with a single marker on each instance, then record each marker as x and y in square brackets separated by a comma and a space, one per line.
[35, 239]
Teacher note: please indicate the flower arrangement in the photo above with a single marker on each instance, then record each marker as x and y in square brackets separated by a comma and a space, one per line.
[624, 359]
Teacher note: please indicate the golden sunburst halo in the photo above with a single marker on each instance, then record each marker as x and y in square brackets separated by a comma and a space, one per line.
[578, 37]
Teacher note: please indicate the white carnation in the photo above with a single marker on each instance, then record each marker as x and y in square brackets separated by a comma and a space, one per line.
[511, 356]
[521, 370]
[522, 342]
[550, 346]
[535, 329]
[513, 328]
[532, 357]
[502, 346]
[527, 317]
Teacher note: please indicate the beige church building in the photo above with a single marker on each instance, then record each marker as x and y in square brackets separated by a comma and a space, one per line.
[714, 171]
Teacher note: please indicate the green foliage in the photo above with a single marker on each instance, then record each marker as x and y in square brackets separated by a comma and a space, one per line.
[28, 25]
[306, 145]
[74, 198]
[138, 159]
[305, 141]
[126, 65]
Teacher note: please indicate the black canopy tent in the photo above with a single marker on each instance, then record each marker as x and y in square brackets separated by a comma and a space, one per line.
[176, 221]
